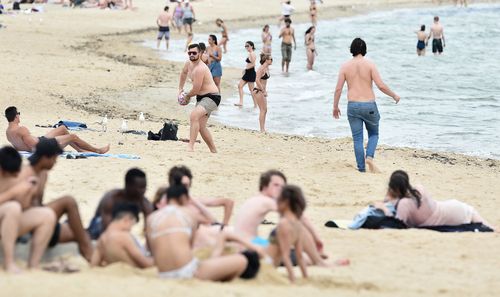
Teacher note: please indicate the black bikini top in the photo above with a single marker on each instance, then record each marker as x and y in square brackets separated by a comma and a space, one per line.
[265, 76]
[248, 60]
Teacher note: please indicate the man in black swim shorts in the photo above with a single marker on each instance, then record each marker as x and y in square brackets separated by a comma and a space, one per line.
[437, 35]
[163, 21]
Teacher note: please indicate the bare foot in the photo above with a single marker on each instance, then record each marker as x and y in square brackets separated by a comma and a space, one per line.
[213, 150]
[371, 166]
[190, 149]
[342, 262]
[238, 104]
[103, 150]
[13, 269]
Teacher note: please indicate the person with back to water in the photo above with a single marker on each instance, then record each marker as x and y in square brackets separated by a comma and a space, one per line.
[225, 36]
[286, 11]
[40, 163]
[311, 52]
[163, 21]
[207, 97]
[21, 138]
[170, 234]
[421, 43]
[288, 36]
[133, 193]
[360, 74]
[437, 34]
[260, 90]
[16, 218]
[117, 244]
[188, 17]
[286, 240]
[254, 210]
[249, 74]
[416, 208]
[267, 40]
[214, 59]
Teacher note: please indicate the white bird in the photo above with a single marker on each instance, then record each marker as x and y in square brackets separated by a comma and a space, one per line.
[104, 123]
[142, 119]
[123, 128]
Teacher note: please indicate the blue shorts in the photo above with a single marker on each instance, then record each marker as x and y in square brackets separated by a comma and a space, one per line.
[263, 242]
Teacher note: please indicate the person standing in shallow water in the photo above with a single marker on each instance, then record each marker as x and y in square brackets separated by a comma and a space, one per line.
[421, 36]
[360, 73]
[437, 34]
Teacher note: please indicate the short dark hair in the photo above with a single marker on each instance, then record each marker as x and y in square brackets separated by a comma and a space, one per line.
[203, 47]
[46, 147]
[295, 198]
[11, 113]
[175, 192]
[436, 18]
[265, 178]
[288, 20]
[214, 38]
[132, 174]
[194, 45]
[176, 174]
[158, 196]
[251, 44]
[358, 47]
[422, 28]
[121, 210]
[166, 8]
[10, 160]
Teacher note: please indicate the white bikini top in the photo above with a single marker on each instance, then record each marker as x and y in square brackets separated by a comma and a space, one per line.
[167, 212]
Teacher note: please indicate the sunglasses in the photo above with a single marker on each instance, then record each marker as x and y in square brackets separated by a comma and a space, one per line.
[192, 53]
[247, 45]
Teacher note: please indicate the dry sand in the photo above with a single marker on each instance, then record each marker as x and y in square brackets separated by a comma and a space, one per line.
[80, 64]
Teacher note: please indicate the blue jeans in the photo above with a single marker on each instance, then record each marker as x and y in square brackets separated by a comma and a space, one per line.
[357, 114]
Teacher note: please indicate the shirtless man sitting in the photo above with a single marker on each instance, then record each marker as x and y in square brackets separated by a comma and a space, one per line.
[437, 34]
[254, 210]
[207, 96]
[21, 138]
[14, 197]
[117, 244]
[41, 162]
[135, 188]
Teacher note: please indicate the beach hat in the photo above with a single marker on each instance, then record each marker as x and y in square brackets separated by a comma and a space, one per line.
[46, 147]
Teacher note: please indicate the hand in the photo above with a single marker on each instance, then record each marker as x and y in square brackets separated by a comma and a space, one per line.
[319, 245]
[396, 98]
[294, 47]
[336, 113]
[379, 205]
[265, 94]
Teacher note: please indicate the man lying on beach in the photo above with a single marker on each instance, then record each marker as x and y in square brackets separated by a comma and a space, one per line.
[117, 244]
[135, 188]
[20, 137]
[40, 163]
[39, 221]
[254, 210]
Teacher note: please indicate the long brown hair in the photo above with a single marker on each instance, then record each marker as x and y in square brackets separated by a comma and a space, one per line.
[400, 186]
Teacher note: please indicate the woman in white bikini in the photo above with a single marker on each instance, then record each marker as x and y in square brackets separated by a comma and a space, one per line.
[267, 40]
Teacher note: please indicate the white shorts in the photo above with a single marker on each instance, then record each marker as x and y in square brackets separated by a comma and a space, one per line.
[185, 272]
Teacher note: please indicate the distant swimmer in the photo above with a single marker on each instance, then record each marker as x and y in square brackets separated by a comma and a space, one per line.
[360, 74]
[163, 21]
[437, 34]
[288, 35]
[422, 37]
[20, 137]
[225, 36]
[311, 52]
[267, 40]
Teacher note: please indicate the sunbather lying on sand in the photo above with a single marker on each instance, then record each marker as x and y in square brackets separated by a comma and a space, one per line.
[22, 140]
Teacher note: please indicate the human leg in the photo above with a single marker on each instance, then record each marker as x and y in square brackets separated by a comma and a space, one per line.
[205, 134]
[196, 115]
[251, 85]
[79, 145]
[372, 119]
[356, 124]
[73, 230]
[217, 82]
[59, 131]
[240, 91]
[10, 214]
[262, 103]
[310, 249]
[41, 221]
[310, 55]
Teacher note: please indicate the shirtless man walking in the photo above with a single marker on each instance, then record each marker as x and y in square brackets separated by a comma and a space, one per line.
[288, 35]
[207, 96]
[360, 74]
[437, 34]
[22, 140]
[163, 21]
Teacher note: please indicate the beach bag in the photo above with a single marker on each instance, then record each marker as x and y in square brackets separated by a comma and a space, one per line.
[169, 131]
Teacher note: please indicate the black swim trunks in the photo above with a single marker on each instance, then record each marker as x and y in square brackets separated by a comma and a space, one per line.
[253, 265]
[437, 46]
[54, 240]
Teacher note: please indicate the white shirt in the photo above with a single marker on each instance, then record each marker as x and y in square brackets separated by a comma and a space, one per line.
[287, 9]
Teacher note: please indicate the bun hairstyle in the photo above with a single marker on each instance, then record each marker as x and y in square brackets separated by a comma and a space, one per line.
[358, 47]
[251, 44]
[214, 38]
[263, 58]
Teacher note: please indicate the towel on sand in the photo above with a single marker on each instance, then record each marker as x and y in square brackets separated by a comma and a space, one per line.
[76, 155]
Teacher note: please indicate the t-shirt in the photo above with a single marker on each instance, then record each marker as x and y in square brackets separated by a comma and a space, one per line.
[287, 9]
[187, 12]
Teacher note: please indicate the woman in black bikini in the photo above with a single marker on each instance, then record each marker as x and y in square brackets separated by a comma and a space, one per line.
[249, 74]
[260, 91]
[310, 47]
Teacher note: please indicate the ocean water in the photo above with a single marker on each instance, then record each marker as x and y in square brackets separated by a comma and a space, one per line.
[448, 103]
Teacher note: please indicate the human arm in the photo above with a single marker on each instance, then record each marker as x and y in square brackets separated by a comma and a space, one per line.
[294, 41]
[147, 209]
[310, 228]
[281, 33]
[22, 191]
[338, 93]
[225, 236]
[183, 77]
[228, 205]
[299, 248]
[205, 216]
[442, 36]
[136, 255]
[218, 57]
[192, 11]
[96, 259]
[381, 85]
[27, 138]
[383, 207]
[283, 238]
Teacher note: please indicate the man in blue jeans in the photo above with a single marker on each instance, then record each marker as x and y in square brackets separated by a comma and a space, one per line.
[360, 74]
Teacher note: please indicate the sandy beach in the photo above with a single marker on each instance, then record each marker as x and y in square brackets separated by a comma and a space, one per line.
[82, 64]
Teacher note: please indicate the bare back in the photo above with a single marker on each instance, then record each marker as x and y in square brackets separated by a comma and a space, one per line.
[112, 245]
[164, 19]
[437, 31]
[21, 138]
[358, 73]
[252, 213]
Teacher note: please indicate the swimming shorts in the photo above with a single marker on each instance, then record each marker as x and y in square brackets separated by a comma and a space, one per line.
[263, 242]
[420, 45]
[187, 21]
[253, 265]
[95, 228]
[437, 46]
[185, 272]
[208, 101]
[55, 235]
[250, 75]
[163, 32]
[286, 52]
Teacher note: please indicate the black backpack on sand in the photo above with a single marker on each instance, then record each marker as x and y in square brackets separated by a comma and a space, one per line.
[169, 132]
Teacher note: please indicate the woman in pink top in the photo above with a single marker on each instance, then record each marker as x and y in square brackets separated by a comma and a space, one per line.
[416, 208]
